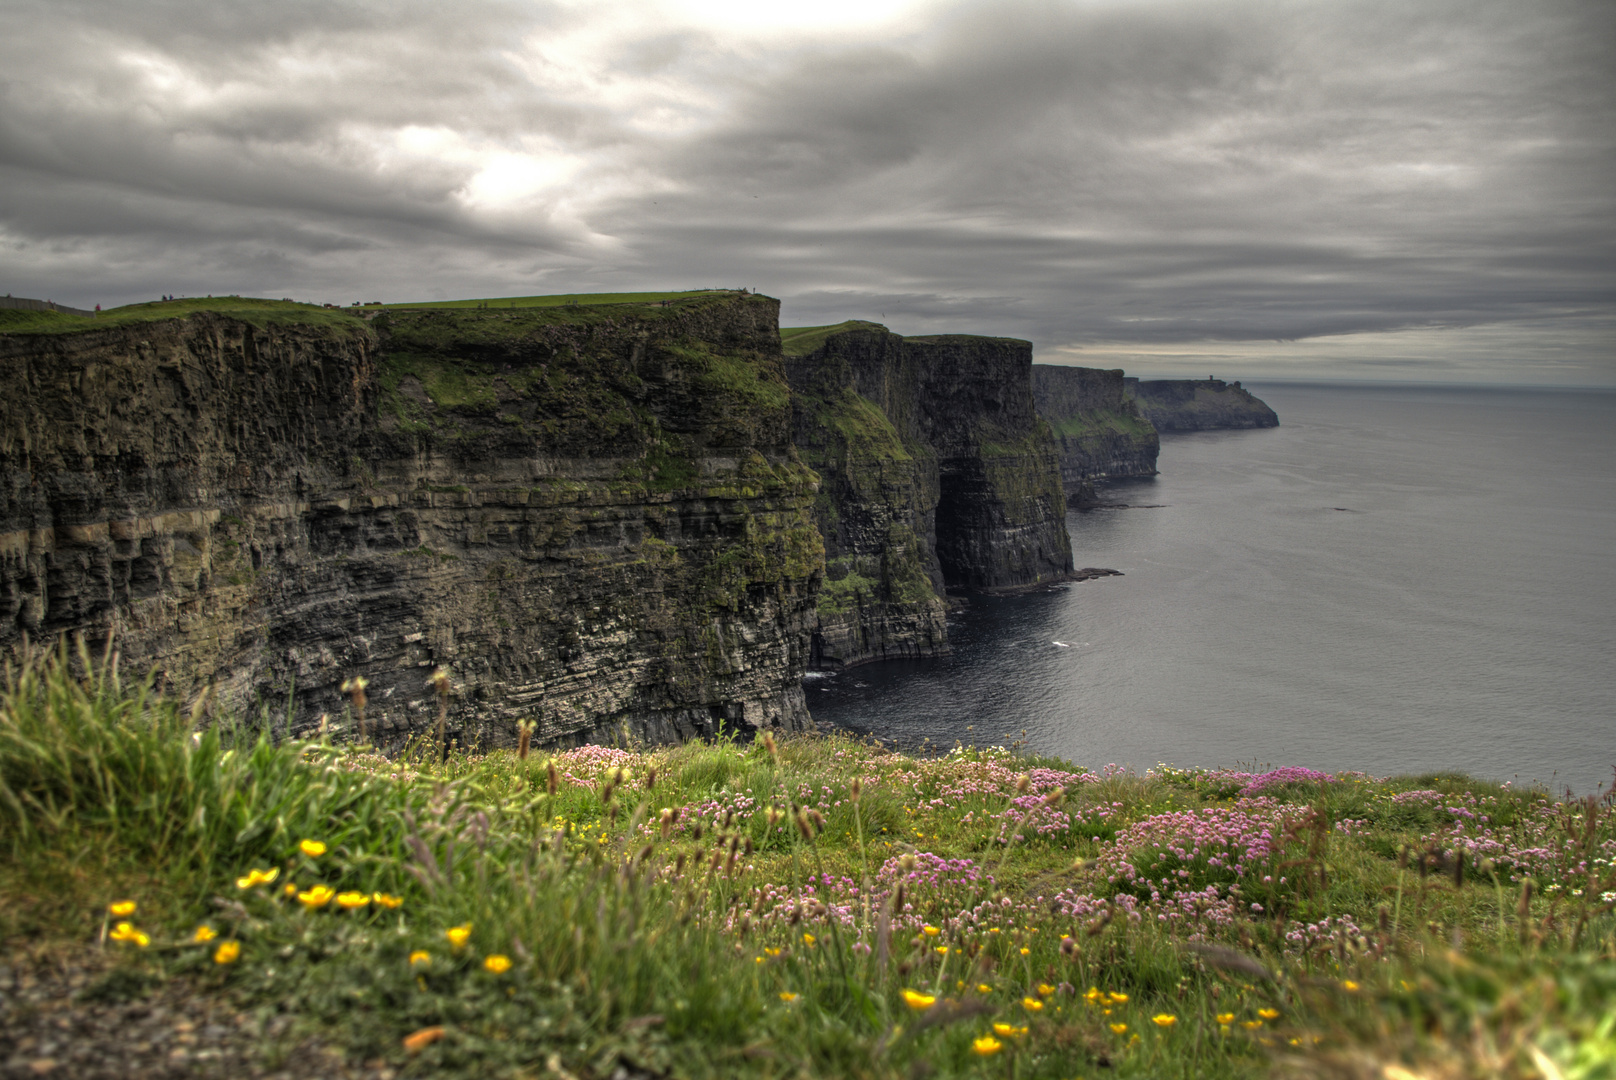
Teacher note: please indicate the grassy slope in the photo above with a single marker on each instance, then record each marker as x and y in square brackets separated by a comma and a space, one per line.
[802, 340]
[261, 312]
[725, 941]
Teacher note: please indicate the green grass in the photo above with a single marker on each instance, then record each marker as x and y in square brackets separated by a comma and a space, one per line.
[802, 340]
[257, 312]
[265, 313]
[693, 946]
[564, 300]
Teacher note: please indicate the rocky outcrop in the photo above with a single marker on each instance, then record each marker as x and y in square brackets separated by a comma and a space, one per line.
[592, 517]
[1199, 404]
[1102, 434]
[937, 474]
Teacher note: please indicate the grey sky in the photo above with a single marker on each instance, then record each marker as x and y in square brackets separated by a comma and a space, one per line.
[1340, 189]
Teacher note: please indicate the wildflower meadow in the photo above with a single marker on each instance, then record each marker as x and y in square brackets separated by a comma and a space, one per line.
[806, 907]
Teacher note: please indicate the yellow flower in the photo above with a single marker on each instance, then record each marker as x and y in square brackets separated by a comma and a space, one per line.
[942, 950]
[1118, 999]
[1025, 951]
[1031, 1004]
[1118, 1029]
[458, 935]
[1251, 1025]
[352, 900]
[770, 951]
[1225, 1019]
[204, 934]
[986, 1045]
[1009, 1031]
[497, 963]
[420, 957]
[808, 940]
[290, 890]
[930, 931]
[316, 897]
[122, 908]
[1268, 1014]
[787, 996]
[228, 952]
[1044, 989]
[983, 988]
[312, 848]
[1349, 986]
[993, 929]
[1093, 993]
[916, 1000]
[258, 877]
[1165, 1020]
[387, 901]
[126, 932]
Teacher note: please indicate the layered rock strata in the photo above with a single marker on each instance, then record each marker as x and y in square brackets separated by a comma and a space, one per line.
[937, 473]
[592, 517]
[1103, 436]
[1199, 404]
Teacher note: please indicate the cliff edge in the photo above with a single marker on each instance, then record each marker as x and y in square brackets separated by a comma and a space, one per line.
[1199, 404]
[938, 474]
[1103, 435]
[592, 516]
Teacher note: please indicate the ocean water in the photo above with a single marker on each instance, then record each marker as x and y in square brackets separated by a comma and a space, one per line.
[1396, 580]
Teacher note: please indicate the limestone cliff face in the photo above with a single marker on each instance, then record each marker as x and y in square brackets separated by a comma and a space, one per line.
[1102, 434]
[592, 517]
[1199, 404]
[877, 506]
[937, 474]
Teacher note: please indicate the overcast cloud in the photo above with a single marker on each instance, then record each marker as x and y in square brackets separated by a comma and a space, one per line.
[1344, 188]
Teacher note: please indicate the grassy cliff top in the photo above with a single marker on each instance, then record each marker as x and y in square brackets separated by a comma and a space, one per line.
[565, 300]
[262, 312]
[250, 309]
[802, 340]
[964, 339]
[722, 909]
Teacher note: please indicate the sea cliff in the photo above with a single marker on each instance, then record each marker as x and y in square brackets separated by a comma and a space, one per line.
[592, 517]
[1199, 404]
[1103, 436]
[938, 474]
[609, 519]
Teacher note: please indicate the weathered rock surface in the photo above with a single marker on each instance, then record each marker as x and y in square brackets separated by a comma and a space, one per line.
[1103, 436]
[1199, 404]
[937, 474]
[592, 517]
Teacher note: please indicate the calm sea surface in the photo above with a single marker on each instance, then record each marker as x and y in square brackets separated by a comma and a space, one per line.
[1394, 580]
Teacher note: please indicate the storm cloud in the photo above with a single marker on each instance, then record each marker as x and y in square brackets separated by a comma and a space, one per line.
[1338, 188]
